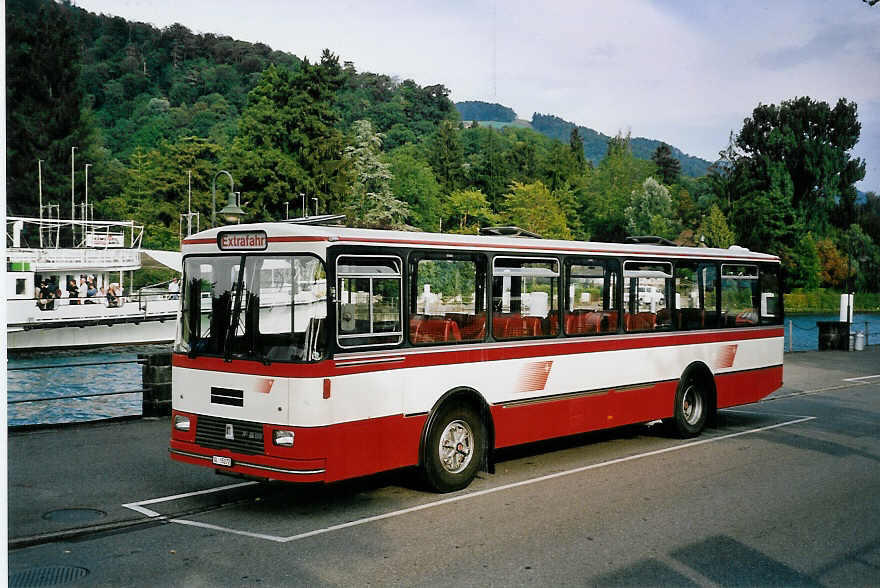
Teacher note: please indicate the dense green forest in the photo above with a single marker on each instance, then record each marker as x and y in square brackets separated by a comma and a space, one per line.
[147, 109]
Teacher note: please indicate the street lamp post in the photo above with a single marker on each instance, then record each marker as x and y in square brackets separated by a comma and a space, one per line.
[231, 212]
[86, 215]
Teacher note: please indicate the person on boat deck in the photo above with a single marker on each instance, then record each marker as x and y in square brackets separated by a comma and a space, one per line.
[174, 288]
[62, 296]
[81, 289]
[45, 300]
[91, 292]
[112, 296]
[72, 292]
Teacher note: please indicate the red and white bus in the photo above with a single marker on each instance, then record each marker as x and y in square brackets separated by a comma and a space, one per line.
[309, 353]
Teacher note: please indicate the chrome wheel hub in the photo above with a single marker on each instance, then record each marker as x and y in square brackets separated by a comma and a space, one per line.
[692, 405]
[456, 446]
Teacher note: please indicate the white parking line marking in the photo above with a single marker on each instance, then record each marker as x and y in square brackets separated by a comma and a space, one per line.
[138, 506]
[861, 378]
[278, 539]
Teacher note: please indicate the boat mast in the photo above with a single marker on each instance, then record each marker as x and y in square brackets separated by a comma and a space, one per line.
[72, 197]
[40, 190]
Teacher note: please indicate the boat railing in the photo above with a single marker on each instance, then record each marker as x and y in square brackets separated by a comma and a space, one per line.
[47, 259]
[83, 233]
[57, 311]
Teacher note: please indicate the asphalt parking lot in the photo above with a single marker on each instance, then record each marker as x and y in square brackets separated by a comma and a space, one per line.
[781, 492]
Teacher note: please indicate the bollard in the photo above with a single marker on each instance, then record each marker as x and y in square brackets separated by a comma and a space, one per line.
[157, 383]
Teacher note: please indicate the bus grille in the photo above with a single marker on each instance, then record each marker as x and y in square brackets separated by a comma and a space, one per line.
[211, 433]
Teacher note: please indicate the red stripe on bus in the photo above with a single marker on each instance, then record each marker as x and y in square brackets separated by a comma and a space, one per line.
[367, 446]
[419, 357]
[292, 239]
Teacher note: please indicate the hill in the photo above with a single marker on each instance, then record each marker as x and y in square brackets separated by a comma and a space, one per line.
[595, 143]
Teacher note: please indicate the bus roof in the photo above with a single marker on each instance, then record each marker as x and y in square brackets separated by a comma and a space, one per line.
[279, 233]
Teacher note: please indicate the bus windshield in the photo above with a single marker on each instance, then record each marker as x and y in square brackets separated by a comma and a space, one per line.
[260, 307]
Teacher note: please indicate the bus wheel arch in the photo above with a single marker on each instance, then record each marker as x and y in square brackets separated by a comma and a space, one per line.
[695, 401]
[456, 440]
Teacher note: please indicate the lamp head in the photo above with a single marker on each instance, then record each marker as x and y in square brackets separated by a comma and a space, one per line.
[231, 212]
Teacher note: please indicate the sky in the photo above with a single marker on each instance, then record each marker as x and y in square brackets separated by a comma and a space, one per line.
[686, 72]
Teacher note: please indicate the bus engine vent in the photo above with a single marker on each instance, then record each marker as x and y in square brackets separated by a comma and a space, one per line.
[215, 433]
[227, 396]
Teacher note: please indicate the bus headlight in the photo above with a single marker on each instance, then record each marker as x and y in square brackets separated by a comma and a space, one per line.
[181, 422]
[282, 438]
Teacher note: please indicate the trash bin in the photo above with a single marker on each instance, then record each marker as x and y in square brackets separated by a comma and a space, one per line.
[860, 341]
[833, 335]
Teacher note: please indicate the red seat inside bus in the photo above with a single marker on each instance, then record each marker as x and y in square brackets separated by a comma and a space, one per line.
[515, 326]
[640, 321]
[433, 329]
[585, 322]
[581, 322]
[472, 327]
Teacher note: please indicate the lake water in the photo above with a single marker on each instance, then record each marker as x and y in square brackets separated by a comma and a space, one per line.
[68, 381]
[73, 380]
[806, 335]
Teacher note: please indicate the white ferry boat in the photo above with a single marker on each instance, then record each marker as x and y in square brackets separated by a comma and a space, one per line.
[98, 308]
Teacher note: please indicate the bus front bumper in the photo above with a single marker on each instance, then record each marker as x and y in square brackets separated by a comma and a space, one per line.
[257, 466]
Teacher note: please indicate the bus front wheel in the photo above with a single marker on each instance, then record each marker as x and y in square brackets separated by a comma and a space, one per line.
[455, 447]
[691, 406]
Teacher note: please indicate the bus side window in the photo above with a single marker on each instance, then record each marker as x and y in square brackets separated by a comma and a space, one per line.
[771, 297]
[647, 287]
[695, 300]
[591, 297]
[448, 300]
[369, 300]
[739, 295]
[524, 297]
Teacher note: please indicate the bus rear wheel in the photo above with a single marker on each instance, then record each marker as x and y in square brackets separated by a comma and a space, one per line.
[691, 407]
[455, 446]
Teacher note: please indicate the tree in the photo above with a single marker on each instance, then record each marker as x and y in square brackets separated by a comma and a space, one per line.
[370, 202]
[446, 156]
[765, 220]
[833, 264]
[668, 166]
[610, 188]
[803, 264]
[45, 106]
[288, 143]
[533, 207]
[812, 141]
[413, 182]
[650, 210]
[863, 260]
[464, 211]
[715, 230]
[576, 144]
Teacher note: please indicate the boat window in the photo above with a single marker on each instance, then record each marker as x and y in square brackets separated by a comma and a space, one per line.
[261, 307]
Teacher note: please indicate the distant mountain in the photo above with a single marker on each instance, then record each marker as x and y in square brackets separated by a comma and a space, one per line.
[476, 110]
[595, 143]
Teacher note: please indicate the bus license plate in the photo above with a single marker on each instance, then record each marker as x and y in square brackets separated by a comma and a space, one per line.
[222, 461]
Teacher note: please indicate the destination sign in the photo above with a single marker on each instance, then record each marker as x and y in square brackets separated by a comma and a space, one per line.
[242, 240]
